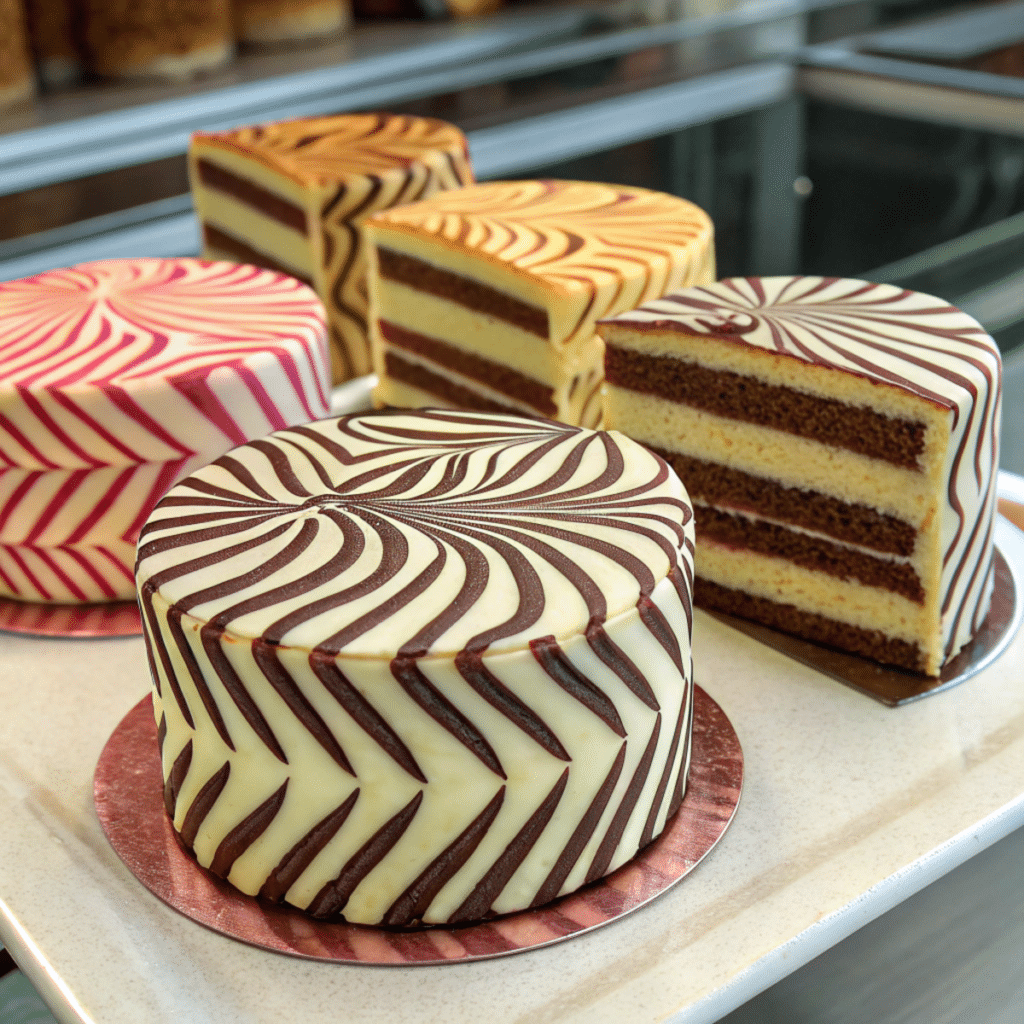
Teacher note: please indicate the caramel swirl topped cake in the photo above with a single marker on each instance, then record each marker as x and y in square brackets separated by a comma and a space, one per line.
[120, 376]
[487, 297]
[840, 440]
[293, 196]
[421, 667]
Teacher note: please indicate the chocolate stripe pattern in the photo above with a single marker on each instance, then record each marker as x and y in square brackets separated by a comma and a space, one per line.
[294, 195]
[486, 297]
[119, 377]
[451, 650]
[876, 413]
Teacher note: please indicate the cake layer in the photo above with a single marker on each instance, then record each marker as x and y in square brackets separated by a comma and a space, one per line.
[219, 245]
[461, 291]
[713, 484]
[792, 462]
[299, 191]
[580, 250]
[808, 550]
[421, 667]
[743, 397]
[118, 378]
[870, 643]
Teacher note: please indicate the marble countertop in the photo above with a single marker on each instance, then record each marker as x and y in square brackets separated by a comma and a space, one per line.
[848, 807]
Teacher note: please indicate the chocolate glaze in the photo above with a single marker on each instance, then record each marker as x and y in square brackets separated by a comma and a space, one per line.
[203, 804]
[409, 907]
[581, 836]
[612, 838]
[246, 832]
[671, 765]
[479, 902]
[332, 898]
[302, 854]
[175, 777]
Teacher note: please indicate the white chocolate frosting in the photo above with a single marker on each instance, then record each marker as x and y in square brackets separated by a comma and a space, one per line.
[474, 621]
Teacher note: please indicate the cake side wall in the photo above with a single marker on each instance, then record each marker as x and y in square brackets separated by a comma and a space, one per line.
[630, 769]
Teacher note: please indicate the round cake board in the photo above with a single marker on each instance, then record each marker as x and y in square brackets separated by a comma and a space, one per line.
[74, 621]
[128, 789]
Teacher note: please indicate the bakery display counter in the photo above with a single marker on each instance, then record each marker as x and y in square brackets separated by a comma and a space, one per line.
[848, 807]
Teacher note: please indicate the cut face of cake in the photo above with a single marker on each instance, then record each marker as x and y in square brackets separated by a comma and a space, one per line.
[486, 298]
[119, 377]
[293, 196]
[421, 667]
[839, 440]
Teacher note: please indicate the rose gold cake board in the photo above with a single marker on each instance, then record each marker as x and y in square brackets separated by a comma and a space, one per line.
[75, 621]
[896, 686]
[128, 789]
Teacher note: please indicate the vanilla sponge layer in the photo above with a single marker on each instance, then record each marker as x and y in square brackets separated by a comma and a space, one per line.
[790, 460]
[845, 601]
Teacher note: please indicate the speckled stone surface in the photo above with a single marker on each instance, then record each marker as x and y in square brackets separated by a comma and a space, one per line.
[848, 807]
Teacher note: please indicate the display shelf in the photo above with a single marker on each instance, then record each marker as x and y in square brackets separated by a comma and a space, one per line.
[848, 808]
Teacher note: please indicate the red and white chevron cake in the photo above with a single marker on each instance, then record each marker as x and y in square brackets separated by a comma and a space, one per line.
[421, 667]
[119, 377]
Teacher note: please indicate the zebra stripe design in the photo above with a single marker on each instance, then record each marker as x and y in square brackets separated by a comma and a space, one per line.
[294, 196]
[451, 650]
[121, 376]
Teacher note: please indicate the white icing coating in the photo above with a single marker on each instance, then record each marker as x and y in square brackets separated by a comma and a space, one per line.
[120, 376]
[911, 356]
[483, 620]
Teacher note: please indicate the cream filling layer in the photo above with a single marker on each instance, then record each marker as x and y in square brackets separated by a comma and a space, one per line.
[790, 460]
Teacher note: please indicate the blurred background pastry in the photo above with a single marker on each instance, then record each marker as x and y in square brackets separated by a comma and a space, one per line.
[279, 21]
[16, 81]
[157, 38]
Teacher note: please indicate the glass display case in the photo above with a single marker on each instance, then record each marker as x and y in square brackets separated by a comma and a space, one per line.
[881, 139]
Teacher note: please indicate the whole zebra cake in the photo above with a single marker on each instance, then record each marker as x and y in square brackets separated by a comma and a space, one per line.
[840, 441]
[119, 377]
[486, 298]
[293, 196]
[421, 667]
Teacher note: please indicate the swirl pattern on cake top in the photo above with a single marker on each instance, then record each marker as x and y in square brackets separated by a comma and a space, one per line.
[479, 623]
[573, 234]
[118, 377]
[329, 150]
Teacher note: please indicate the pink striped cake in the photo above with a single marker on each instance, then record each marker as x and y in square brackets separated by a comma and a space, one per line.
[119, 377]
[421, 667]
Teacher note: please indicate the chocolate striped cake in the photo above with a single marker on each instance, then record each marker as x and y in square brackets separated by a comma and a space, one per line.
[293, 196]
[421, 667]
[840, 442]
[486, 298]
[119, 377]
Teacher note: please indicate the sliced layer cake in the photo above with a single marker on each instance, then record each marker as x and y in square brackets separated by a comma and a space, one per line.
[293, 196]
[486, 298]
[839, 440]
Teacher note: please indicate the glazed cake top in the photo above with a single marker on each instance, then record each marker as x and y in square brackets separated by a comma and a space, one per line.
[325, 150]
[888, 335]
[413, 534]
[128, 322]
[571, 235]
[101, 360]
